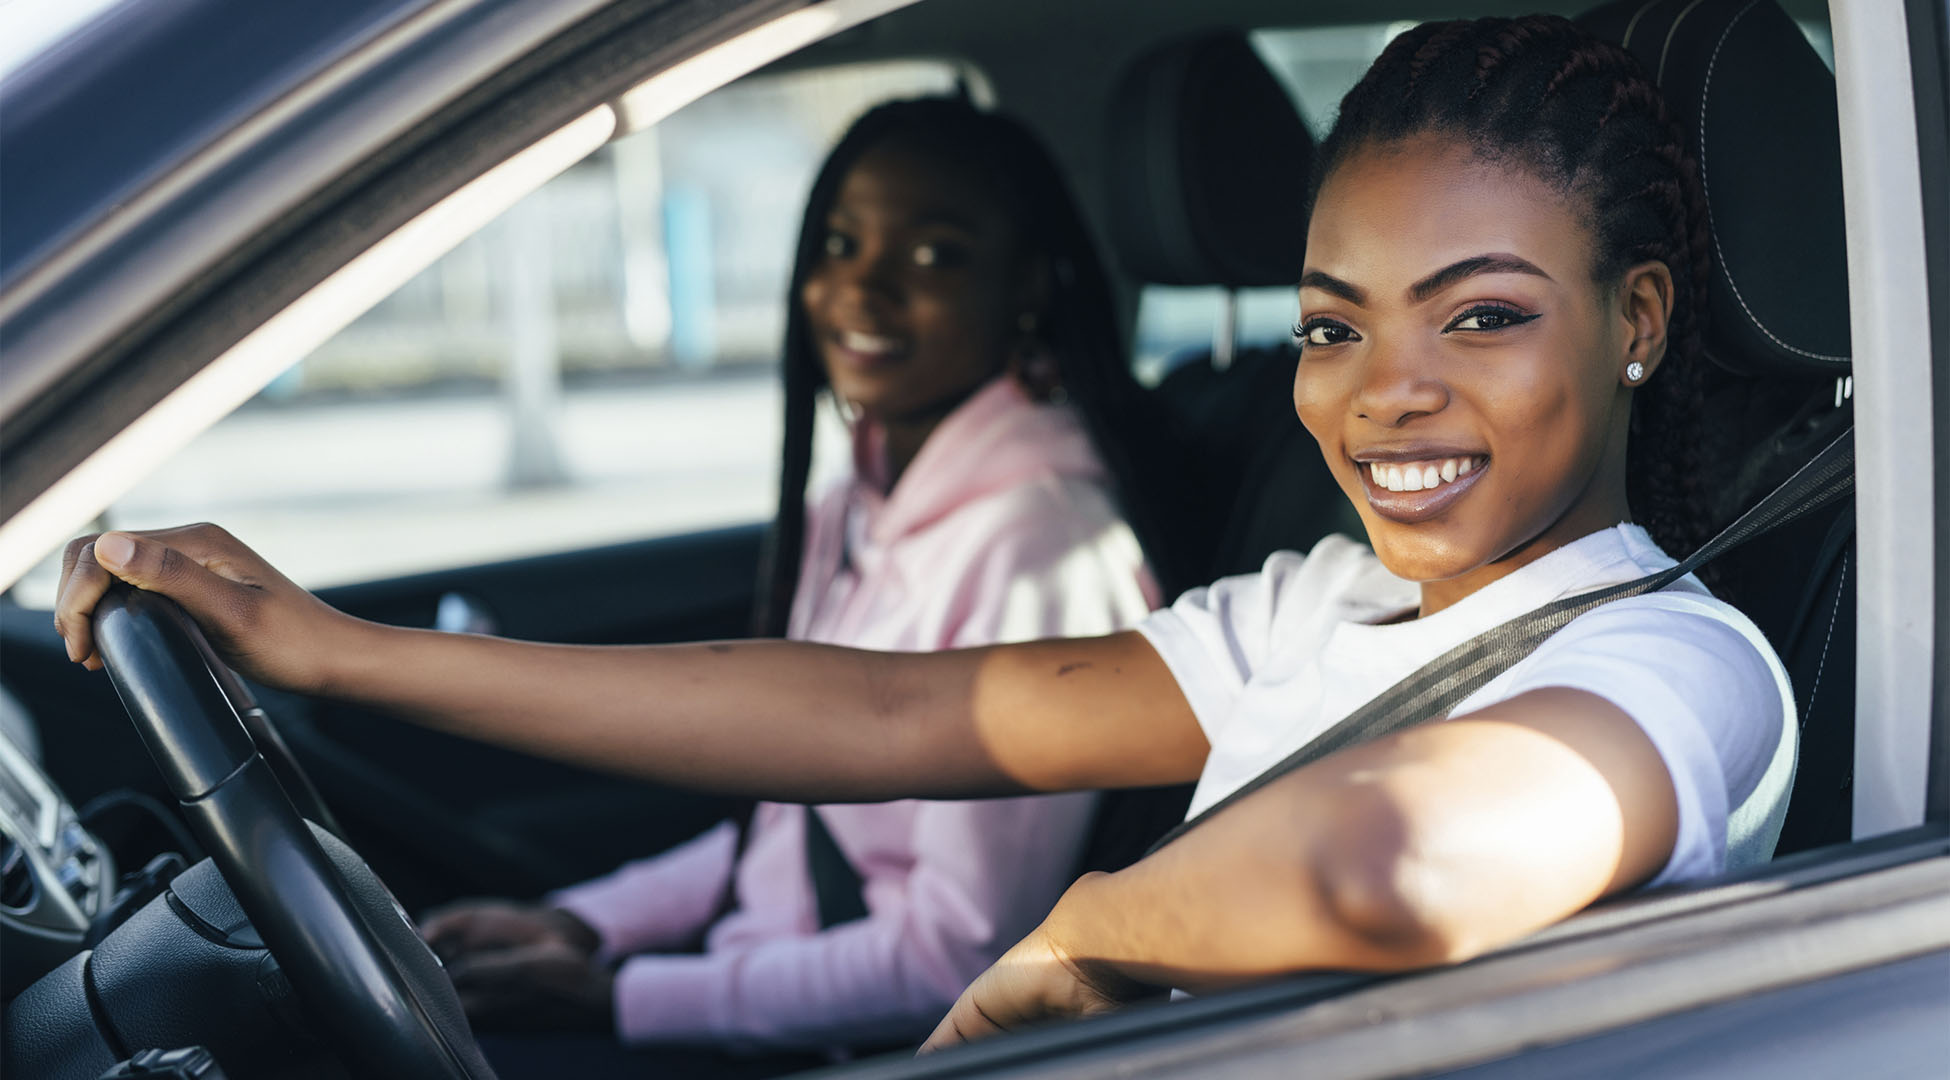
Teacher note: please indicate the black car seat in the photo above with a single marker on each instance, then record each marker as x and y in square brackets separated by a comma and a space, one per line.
[1758, 106]
[1208, 163]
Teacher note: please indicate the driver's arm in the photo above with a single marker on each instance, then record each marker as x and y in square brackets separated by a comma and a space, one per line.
[789, 721]
[1424, 847]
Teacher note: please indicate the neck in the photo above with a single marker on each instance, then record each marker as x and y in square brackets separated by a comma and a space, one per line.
[904, 441]
[1581, 521]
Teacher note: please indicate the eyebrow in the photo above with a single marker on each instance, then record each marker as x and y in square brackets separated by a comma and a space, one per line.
[1495, 263]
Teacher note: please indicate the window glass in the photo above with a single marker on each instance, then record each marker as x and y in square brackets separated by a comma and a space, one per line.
[599, 364]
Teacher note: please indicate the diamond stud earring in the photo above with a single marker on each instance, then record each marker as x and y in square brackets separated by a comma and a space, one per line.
[1634, 371]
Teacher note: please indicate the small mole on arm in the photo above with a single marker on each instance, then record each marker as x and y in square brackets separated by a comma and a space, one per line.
[1077, 666]
[720, 647]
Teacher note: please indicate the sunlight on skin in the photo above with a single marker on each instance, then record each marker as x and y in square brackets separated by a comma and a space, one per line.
[1390, 857]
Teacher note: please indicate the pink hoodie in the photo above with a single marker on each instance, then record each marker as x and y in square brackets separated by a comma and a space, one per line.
[1001, 529]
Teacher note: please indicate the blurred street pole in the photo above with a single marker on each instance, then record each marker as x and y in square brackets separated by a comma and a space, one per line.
[534, 376]
[646, 265]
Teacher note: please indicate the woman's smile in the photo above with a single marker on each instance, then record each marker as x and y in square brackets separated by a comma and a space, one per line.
[864, 351]
[1414, 484]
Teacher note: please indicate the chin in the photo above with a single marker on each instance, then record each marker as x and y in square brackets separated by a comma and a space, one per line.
[1423, 556]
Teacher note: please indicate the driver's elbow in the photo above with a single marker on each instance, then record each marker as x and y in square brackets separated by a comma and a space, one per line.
[1394, 906]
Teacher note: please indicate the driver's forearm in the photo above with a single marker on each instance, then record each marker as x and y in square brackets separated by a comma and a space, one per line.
[797, 721]
[784, 720]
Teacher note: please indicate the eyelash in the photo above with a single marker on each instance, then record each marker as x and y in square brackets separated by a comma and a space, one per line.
[1514, 318]
[1306, 326]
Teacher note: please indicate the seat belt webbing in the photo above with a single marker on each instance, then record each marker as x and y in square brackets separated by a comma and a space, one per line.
[837, 886]
[1443, 683]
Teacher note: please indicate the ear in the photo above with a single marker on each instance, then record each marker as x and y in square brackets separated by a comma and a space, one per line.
[1644, 314]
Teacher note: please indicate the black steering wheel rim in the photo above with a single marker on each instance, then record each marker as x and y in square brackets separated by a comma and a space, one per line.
[304, 794]
[383, 1002]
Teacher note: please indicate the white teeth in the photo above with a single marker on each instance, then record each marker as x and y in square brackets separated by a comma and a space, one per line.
[867, 343]
[1419, 476]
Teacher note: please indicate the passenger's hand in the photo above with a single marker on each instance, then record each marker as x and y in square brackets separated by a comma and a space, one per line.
[266, 627]
[551, 986]
[474, 926]
[1036, 981]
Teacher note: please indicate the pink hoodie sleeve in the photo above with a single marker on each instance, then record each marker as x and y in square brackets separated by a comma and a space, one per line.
[660, 902]
[988, 873]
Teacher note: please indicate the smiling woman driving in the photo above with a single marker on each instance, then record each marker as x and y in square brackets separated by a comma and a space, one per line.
[1499, 335]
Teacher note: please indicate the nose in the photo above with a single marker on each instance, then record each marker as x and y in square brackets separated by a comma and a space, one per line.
[868, 280]
[1395, 386]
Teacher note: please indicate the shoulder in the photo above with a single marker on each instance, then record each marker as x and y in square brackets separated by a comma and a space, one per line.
[1039, 522]
[1658, 626]
[1049, 557]
[1707, 689]
[1670, 651]
[1339, 571]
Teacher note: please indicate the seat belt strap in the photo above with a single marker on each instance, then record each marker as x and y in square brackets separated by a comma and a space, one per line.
[1443, 683]
[838, 889]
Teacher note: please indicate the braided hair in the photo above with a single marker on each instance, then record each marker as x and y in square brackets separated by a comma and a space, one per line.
[1078, 325]
[1581, 114]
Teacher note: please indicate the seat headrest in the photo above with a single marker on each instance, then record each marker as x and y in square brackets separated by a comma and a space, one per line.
[1758, 106]
[1208, 166]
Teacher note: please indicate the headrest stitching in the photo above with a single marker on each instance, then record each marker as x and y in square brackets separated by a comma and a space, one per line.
[1631, 27]
[1672, 31]
[1725, 269]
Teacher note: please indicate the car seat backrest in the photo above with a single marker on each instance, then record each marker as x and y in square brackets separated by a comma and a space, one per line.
[1757, 106]
[1208, 160]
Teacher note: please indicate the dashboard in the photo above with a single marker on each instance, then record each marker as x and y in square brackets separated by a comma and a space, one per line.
[55, 877]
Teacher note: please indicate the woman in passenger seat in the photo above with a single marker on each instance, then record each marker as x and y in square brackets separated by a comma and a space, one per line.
[1500, 348]
[946, 292]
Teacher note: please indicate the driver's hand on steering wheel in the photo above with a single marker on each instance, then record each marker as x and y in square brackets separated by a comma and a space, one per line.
[261, 623]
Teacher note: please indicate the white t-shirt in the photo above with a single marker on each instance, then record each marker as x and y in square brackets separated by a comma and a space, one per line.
[1271, 660]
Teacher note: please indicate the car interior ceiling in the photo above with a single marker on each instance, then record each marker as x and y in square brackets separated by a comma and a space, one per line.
[1171, 130]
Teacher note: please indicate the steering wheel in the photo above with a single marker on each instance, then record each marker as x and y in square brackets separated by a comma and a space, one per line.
[351, 955]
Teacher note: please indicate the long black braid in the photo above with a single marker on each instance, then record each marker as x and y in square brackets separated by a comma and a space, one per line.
[1581, 114]
[1078, 325]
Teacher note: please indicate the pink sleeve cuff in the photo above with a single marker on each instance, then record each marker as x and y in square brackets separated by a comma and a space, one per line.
[656, 903]
[672, 999]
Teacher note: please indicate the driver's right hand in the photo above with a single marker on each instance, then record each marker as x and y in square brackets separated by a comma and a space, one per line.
[261, 623]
